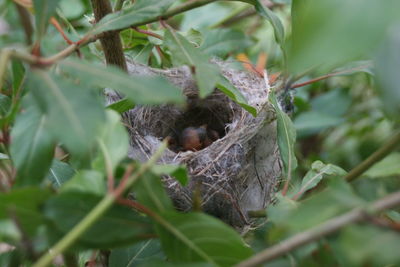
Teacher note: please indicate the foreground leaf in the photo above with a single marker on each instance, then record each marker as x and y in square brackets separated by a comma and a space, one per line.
[24, 205]
[205, 73]
[74, 114]
[119, 226]
[113, 143]
[141, 12]
[197, 237]
[59, 173]
[32, 147]
[148, 90]
[137, 254]
[44, 9]
[150, 191]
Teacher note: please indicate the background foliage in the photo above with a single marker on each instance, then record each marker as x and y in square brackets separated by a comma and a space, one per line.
[63, 151]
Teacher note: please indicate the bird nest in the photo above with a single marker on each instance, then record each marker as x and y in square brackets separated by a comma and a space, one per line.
[238, 169]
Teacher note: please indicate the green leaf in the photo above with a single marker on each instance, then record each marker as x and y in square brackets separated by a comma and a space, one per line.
[113, 143]
[140, 13]
[59, 173]
[73, 113]
[233, 93]
[5, 104]
[276, 23]
[86, 181]
[122, 105]
[206, 74]
[137, 254]
[119, 226]
[221, 42]
[25, 205]
[346, 31]
[195, 237]
[177, 171]
[149, 90]
[149, 191]
[72, 9]
[389, 166]
[362, 245]
[32, 146]
[387, 62]
[318, 171]
[44, 9]
[286, 138]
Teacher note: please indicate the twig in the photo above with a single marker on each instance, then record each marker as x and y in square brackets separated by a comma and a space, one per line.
[149, 33]
[382, 152]
[321, 230]
[96, 212]
[297, 85]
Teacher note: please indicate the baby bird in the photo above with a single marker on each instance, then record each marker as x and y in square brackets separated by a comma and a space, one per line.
[197, 138]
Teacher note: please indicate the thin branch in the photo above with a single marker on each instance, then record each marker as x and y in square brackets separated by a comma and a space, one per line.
[321, 230]
[96, 212]
[149, 33]
[297, 85]
[382, 152]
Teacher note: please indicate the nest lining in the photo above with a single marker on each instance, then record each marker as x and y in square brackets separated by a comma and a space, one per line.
[236, 173]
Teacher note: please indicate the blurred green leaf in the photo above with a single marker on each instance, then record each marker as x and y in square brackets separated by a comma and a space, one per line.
[177, 171]
[195, 237]
[318, 171]
[299, 216]
[137, 254]
[32, 147]
[3, 156]
[139, 89]
[286, 138]
[113, 142]
[334, 103]
[221, 42]
[388, 166]
[73, 113]
[387, 65]
[59, 173]
[72, 9]
[5, 104]
[150, 191]
[233, 93]
[86, 181]
[25, 205]
[205, 73]
[44, 9]
[119, 226]
[276, 23]
[141, 12]
[122, 105]
[311, 122]
[366, 245]
[329, 33]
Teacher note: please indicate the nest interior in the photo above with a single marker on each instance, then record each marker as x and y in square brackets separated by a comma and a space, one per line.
[238, 171]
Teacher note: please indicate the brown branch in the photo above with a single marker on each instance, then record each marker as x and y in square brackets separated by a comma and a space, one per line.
[149, 33]
[297, 85]
[321, 230]
[382, 152]
[111, 42]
